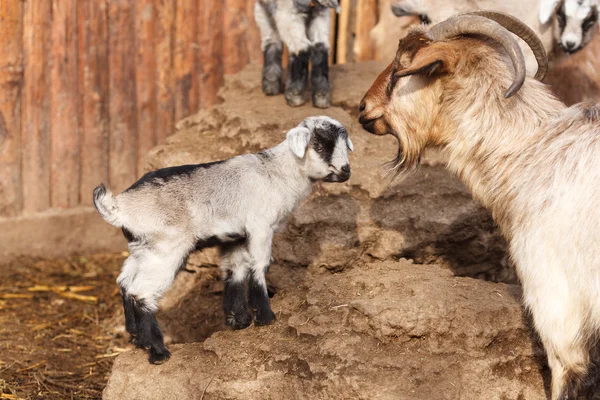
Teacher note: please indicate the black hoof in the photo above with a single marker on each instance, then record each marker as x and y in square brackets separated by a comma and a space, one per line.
[266, 317]
[322, 100]
[239, 320]
[159, 355]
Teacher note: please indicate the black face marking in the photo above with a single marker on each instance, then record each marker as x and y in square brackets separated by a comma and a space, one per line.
[325, 137]
[258, 298]
[235, 306]
[320, 68]
[561, 18]
[590, 20]
[148, 334]
[163, 175]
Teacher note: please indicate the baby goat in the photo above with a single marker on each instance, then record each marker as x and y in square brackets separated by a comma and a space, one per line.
[235, 204]
[303, 25]
[575, 21]
[526, 156]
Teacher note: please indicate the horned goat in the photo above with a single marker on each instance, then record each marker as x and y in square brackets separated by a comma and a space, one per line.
[527, 157]
[234, 204]
[303, 25]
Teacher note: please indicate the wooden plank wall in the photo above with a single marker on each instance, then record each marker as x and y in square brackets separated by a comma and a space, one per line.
[87, 88]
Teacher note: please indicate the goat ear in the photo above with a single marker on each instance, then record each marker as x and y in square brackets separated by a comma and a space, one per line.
[298, 139]
[432, 60]
[350, 145]
[547, 8]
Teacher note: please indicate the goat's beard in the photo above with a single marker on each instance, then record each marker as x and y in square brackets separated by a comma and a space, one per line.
[404, 161]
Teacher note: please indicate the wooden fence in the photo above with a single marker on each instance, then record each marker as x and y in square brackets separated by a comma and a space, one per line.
[87, 87]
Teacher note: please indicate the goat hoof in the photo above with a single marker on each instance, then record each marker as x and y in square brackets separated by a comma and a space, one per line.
[264, 318]
[159, 356]
[271, 88]
[240, 320]
[294, 99]
[321, 100]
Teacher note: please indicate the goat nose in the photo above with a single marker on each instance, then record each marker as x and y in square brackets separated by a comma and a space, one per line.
[346, 169]
[362, 107]
[570, 45]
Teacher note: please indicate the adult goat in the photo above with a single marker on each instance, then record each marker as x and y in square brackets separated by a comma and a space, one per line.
[526, 156]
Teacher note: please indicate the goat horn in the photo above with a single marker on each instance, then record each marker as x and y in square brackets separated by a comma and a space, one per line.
[523, 31]
[476, 25]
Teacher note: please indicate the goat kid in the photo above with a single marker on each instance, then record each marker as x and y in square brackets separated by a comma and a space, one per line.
[235, 204]
[526, 156]
[303, 25]
[574, 21]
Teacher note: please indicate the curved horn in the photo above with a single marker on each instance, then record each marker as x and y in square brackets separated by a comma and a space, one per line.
[476, 25]
[523, 31]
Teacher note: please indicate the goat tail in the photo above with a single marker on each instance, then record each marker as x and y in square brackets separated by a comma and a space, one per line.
[106, 204]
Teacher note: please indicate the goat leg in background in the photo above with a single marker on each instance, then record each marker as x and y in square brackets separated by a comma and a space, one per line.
[321, 91]
[292, 29]
[272, 69]
[318, 33]
[272, 47]
[297, 79]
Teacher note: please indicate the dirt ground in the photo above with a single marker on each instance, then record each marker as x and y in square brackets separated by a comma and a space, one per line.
[54, 339]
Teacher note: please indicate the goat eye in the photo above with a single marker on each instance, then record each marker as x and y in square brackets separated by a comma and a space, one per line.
[318, 148]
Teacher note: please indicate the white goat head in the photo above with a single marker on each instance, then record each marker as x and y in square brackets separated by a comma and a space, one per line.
[574, 22]
[322, 145]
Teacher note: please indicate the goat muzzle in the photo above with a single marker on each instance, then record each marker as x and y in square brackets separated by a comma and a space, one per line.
[376, 126]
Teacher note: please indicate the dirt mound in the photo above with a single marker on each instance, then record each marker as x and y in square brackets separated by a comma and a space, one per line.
[453, 338]
[386, 330]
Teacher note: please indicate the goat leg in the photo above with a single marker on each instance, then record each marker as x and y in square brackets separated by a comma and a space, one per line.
[321, 91]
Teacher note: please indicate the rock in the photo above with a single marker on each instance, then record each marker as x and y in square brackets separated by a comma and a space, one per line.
[384, 330]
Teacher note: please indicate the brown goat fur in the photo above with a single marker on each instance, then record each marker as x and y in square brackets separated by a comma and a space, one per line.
[529, 159]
